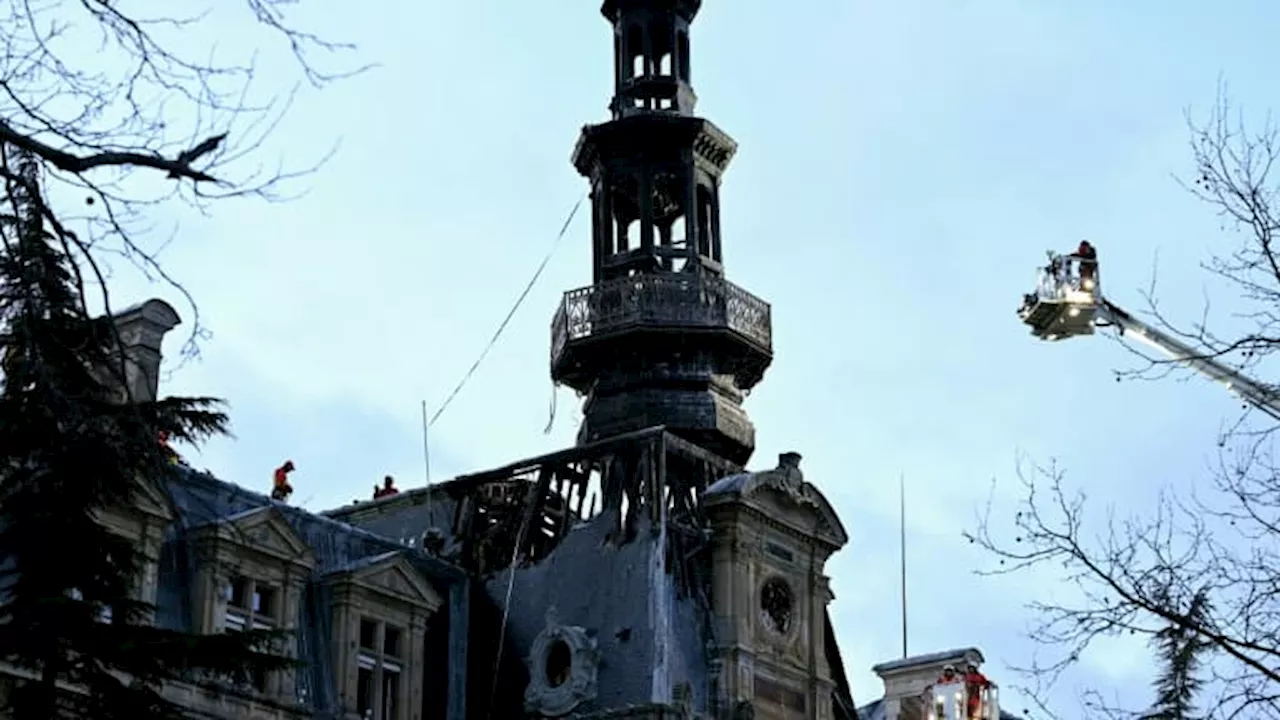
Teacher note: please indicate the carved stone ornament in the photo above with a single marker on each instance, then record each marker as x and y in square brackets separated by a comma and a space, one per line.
[786, 479]
[563, 665]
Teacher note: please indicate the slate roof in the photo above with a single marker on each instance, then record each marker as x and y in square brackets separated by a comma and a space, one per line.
[648, 636]
[199, 499]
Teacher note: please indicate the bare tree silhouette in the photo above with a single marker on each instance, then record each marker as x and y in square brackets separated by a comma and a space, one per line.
[1204, 565]
[126, 111]
[105, 107]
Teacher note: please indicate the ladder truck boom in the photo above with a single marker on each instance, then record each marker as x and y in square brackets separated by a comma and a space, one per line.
[1068, 302]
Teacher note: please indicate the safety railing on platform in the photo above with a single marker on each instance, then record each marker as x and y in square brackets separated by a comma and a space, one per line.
[693, 301]
[1066, 274]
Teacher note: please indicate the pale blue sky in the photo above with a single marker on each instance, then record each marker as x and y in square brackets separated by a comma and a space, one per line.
[903, 165]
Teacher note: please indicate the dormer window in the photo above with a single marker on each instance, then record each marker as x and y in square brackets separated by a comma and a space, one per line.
[253, 569]
[380, 664]
[142, 522]
[380, 612]
[251, 604]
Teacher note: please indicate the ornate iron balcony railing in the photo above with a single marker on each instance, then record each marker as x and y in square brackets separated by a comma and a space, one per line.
[674, 300]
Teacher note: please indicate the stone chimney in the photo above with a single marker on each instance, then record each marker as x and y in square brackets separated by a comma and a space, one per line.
[905, 680]
[788, 471]
[142, 328]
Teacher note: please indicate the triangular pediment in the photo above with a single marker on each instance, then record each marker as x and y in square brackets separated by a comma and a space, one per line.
[802, 506]
[146, 506]
[398, 577]
[151, 500]
[266, 530]
[782, 495]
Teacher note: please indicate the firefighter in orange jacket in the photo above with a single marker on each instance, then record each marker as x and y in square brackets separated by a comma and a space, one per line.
[974, 682]
[388, 488]
[168, 451]
[280, 488]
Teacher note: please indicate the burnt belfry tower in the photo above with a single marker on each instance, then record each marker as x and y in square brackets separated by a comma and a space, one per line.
[660, 337]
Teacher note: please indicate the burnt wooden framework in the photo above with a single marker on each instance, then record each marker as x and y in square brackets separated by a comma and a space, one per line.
[660, 338]
[518, 514]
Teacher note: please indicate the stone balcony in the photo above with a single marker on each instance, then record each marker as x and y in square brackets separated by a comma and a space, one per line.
[667, 302]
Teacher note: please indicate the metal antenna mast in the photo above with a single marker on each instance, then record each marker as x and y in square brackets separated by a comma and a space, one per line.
[902, 549]
[426, 445]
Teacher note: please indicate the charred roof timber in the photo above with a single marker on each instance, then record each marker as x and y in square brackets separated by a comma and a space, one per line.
[524, 510]
[660, 337]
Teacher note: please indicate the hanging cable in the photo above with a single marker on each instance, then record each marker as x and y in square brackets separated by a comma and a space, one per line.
[506, 605]
[551, 414]
[494, 340]
[502, 629]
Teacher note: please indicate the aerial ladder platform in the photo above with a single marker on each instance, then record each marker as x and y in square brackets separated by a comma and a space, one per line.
[1068, 302]
[952, 697]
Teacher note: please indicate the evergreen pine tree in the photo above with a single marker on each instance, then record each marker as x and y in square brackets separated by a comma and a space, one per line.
[70, 446]
[1181, 651]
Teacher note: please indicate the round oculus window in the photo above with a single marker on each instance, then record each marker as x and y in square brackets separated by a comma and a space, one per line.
[558, 664]
[776, 605]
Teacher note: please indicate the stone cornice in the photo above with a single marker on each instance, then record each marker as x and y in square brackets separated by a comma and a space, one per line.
[712, 147]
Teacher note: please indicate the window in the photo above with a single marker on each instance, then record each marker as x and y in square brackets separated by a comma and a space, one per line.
[559, 664]
[706, 225]
[635, 51]
[378, 683]
[251, 605]
[682, 55]
[776, 605]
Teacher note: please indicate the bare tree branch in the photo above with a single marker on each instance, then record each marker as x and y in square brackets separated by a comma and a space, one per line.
[179, 166]
[128, 110]
[1217, 547]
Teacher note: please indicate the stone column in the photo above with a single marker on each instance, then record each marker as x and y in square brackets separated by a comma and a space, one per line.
[148, 583]
[344, 652]
[291, 609]
[210, 607]
[416, 666]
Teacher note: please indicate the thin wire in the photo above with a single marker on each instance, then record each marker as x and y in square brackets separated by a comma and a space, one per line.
[426, 463]
[494, 340]
[426, 444]
[511, 570]
[502, 629]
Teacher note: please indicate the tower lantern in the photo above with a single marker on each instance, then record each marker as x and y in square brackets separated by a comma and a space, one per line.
[660, 338]
[651, 55]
